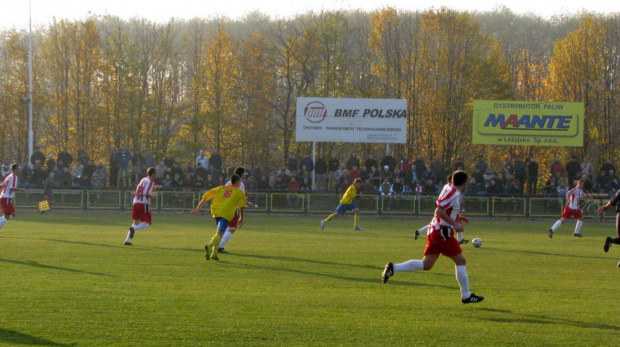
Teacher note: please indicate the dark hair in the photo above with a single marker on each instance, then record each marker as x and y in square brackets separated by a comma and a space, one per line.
[14, 167]
[234, 179]
[357, 180]
[150, 171]
[459, 177]
[239, 171]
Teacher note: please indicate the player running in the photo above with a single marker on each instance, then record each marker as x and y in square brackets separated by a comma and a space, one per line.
[226, 201]
[441, 240]
[141, 212]
[346, 204]
[7, 196]
[571, 210]
[612, 202]
[460, 219]
[237, 221]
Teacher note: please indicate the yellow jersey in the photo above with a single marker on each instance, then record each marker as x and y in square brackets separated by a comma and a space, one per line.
[226, 200]
[349, 195]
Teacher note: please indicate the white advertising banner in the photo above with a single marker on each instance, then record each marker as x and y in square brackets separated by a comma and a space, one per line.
[351, 120]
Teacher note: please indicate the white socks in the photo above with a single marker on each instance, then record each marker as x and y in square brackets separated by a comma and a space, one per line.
[3, 221]
[578, 226]
[459, 236]
[424, 229]
[136, 228]
[461, 276]
[409, 266]
[225, 238]
[556, 225]
[141, 226]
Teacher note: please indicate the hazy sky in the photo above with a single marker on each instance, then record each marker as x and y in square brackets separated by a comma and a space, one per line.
[14, 13]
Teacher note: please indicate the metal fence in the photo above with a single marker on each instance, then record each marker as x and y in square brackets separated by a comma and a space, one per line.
[319, 203]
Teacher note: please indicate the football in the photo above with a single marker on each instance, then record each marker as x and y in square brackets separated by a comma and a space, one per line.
[476, 242]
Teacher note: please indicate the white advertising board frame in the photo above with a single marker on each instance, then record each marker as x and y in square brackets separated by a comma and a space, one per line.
[351, 120]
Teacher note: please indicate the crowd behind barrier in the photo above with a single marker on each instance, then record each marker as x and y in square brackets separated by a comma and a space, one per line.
[388, 176]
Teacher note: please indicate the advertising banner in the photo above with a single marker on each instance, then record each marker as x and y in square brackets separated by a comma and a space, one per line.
[528, 123]
[351, 120]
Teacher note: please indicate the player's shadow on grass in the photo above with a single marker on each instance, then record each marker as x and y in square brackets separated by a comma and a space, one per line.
[118, 245]
[535, 319]
[313, 261]
[51, 267]
[568, 255]
[375, 280]
[15, 337]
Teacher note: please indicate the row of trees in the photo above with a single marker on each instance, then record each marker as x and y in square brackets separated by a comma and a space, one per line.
[181, 86]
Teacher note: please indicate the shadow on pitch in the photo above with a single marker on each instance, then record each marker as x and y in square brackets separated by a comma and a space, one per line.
[553, 254]
[536, 319]
[51, 267]
[118, 245]
[313, 261]
[15, 337]
[375, 280]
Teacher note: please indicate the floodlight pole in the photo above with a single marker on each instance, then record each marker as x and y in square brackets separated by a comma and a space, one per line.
[314, 161]
[30, 133]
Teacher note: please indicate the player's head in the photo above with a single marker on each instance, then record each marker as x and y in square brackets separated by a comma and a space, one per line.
[235, 180]
[459, 179]
[15, 168]
[580, 182]
[358, 182]
[240, 171]
[151, 172]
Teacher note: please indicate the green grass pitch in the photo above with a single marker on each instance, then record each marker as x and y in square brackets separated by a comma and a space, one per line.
[67, 280]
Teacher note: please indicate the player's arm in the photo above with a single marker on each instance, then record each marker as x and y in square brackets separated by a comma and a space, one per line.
[441, 213]
[19, 189]
[614, 199]
[198, 207]
[205, 198]
[240, 222]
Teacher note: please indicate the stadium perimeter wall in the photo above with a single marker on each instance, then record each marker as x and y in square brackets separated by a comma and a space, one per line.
[316, 203]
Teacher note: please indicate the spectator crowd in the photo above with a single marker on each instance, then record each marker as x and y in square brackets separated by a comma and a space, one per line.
[387, 176]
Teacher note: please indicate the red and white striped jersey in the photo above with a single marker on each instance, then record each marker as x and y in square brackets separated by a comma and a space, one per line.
[573, 197]
[450, 201]
[8, 186]
[143, 191]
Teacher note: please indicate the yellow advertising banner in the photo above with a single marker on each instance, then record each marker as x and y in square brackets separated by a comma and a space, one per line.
[528, 123]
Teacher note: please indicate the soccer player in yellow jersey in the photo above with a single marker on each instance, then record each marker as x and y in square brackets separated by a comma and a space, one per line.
[226, 200]
[346, 204]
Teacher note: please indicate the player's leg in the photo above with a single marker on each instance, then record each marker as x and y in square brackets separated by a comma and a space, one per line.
[409, 266]
[420, 231]
[578, 226]
[212, 247]
[5, 218]
[460, 265]
[332, 216]
[609, 241]
[225, 238]
[356, 219]
[556, 226]
[131, 232]
[460, 239]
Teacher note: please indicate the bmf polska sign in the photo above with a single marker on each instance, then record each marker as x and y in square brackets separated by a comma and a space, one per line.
[351, 120]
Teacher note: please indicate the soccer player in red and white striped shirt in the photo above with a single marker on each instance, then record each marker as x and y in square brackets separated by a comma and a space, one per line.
[9, 187]
[141, 213]
[441, 239]
[571, 210]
